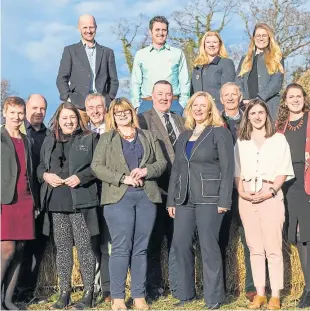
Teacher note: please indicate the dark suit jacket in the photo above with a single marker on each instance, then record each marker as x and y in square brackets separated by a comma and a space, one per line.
[9, 169]
[74, 67]
[208, 174]
[151, 121]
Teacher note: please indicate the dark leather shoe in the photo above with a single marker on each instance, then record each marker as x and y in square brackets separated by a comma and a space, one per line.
[304, 301]
[86, 302]
[214, 306]
[250, 296]
[63, 301]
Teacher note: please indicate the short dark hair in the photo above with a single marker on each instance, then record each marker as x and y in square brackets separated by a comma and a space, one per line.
[159, 19]
[162, 82]
[246, 128]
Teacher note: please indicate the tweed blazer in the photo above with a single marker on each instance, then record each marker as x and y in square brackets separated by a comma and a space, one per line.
[109, 165]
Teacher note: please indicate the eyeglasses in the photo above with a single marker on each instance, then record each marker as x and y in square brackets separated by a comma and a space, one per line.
[123, 112]
[264, 36]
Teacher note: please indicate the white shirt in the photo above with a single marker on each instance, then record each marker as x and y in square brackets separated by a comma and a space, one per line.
[100, 129]
[271, 160]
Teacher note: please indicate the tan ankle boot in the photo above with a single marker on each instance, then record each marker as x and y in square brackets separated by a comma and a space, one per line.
[140, 304]
[274, 303]
[258, 302]
[118, 304]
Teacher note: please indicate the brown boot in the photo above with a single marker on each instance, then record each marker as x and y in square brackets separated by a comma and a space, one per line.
[258, 302]
[118, 304]
[140, 304]
[274, 303]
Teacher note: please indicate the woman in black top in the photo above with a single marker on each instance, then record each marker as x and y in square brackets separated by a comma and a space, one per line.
[212, 67]
[199, 194]
[69, 196]
[260, 72]
[294, 122]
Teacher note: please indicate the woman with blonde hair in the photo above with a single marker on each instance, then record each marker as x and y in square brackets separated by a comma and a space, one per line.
[262, 164]
[128, 160]
[212, 67]
[261, 71]
[294, 122]
[199, 194]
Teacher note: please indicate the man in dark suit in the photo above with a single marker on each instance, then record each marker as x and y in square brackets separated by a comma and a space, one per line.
[166, 126]
[87, 67]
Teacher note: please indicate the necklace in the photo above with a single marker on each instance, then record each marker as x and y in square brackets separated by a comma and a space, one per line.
[196, 133]
[296, 127]
[131, 136]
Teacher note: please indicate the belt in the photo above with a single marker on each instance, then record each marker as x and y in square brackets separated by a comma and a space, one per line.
[267, 181]
[150, 98]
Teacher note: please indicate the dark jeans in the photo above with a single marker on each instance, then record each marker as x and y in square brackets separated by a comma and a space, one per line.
[33, 255]
[207, 220]
[147, 105]
[130, 222]
[100, 245]
[163, 228]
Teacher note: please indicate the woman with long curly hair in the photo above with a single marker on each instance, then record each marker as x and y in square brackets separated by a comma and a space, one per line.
[294, 122]
[212, 67]
[260, 72]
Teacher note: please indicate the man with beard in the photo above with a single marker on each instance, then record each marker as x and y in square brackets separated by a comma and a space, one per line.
[87, 67]
[96, 110]
[159, 61]
[35, 129]
[166, 126]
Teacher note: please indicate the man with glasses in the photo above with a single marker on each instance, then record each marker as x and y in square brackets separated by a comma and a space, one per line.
[159, 61]
[87, 67]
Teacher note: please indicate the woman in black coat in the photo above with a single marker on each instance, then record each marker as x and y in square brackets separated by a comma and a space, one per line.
[199, 194]
[69, 196]
[17, 197]
[212, 67]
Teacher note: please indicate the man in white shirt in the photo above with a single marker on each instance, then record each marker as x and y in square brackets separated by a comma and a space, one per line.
[96, 110]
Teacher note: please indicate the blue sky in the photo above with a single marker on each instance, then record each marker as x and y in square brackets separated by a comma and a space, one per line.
[34, 33]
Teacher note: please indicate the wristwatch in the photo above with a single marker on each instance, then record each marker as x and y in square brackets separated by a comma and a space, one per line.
[122, 179]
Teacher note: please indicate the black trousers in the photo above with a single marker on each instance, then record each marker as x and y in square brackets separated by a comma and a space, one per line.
[33, 255]
[163, 228]
[101, 245]
[207, 220]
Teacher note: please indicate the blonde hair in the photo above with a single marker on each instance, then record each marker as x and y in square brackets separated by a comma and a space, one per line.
[273, 54]
[213, 118]
[120, 104]
[13, 101]
[203, 58]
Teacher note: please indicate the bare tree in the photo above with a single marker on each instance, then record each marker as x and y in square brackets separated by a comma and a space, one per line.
[198, 17]
[133, 37]
[288, 18]
[5, 93]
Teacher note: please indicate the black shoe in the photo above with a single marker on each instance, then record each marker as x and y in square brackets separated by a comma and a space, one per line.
[213, 307]
[86, 302]
[304, 301]
[181, 303]
[63, 301]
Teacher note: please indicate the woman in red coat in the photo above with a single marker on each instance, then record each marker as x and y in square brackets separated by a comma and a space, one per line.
[17, 201]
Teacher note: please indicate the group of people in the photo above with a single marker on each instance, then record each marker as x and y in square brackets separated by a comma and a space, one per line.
[116, 178]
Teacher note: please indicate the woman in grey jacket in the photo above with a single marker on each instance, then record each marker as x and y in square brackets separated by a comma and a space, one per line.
[199, 194]
[128, 160]
[212, 67]
[261, 71]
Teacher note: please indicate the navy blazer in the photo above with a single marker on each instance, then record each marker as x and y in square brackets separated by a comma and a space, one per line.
[207, 176]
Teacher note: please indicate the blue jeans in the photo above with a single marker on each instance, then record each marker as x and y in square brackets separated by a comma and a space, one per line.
[147, 105]
[130, 222]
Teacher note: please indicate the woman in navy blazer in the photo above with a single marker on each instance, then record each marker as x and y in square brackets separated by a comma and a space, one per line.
[212, 67]
[199, 194]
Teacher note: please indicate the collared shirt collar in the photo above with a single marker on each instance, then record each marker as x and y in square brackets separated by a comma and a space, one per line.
[216, 60]
[28, 125]
[90, 47]
[161, 114]
[236, 117]
[93, 127]
[165, 46]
